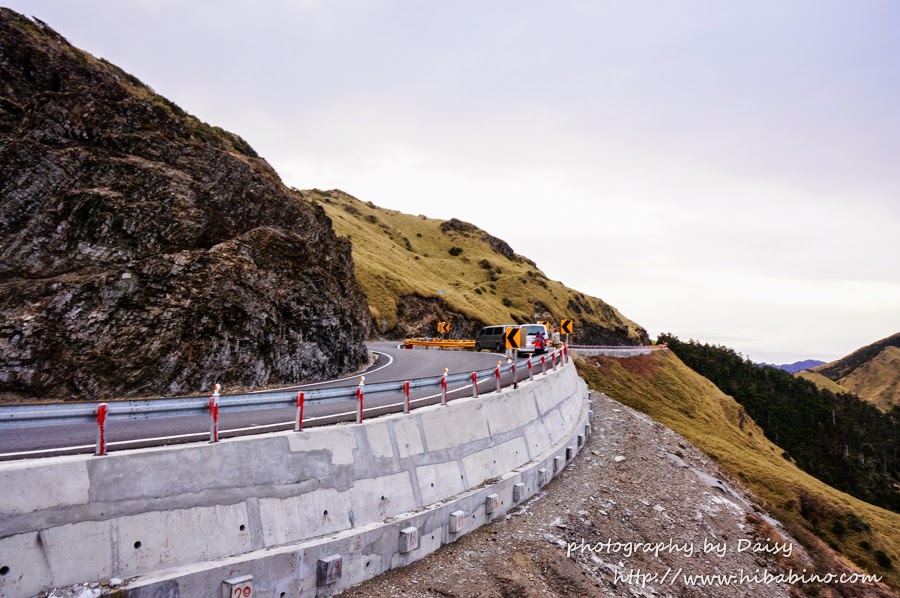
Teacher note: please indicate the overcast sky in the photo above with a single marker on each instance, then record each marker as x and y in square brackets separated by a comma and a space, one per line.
[726, 171]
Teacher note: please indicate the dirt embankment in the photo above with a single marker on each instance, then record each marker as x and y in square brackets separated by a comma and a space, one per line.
[640, 512]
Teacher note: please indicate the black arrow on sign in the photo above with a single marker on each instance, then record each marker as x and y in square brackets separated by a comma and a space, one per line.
[512, 338]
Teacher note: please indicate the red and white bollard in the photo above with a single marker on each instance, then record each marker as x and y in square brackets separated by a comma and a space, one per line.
[553, 357]
[530, 369]
[566, 352]
[298, 425]
[360, 395]
[444, 388]
[474, 385]
[102, 411]
[515, 376]
[497, 374]
[214, 414]
[544, 364]
[406, 392]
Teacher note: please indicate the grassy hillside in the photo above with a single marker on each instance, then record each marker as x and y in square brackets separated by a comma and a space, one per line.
[877, 380]
[416, 271]
[821, 381]
[871, 372]
[663, 387]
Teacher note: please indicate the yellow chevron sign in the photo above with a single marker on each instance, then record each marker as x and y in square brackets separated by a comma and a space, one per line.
[514, 338]
[567, 326]
[443, 327]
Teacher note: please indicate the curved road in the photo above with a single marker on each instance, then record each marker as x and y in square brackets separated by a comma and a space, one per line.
[394, 364]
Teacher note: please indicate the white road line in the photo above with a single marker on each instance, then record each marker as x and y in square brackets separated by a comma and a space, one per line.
[390, 361]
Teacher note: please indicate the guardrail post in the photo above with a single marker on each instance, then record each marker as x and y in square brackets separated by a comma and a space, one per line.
[497, 374]
[298, 425]
[544, 364]
[444, 388]
[553, 357]
[360, 395]
[515, 376]
[530, 369]
[474, 385]
[102, 411]
[214, 414]
[406, 392]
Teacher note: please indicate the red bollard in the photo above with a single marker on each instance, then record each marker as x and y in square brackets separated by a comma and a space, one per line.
[530, 369]
[497, 374]
[298, 425]
[475, 385]
[102, 411]
[515, 376]
[553, 357]
[444, 388]
[360, 395]
[406, 392]
[566, 352]
[544, 364]
[214, 414]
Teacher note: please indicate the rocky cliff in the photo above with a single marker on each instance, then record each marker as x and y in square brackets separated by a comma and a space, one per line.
[143, 251]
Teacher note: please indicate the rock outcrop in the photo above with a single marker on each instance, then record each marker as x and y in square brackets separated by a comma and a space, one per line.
[145, 252]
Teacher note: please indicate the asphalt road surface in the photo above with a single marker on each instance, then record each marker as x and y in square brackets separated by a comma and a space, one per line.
[394, 364]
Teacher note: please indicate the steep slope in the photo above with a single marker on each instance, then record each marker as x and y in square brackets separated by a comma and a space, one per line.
[416, 271]
[143, 251]
[872, 372]
[671, 393]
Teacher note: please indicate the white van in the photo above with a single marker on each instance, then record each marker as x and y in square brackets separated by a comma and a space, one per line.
[530, 331]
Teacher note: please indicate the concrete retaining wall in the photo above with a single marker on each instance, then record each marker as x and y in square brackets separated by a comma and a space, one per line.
[183, 519]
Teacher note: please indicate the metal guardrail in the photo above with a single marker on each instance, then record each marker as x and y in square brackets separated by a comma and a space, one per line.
[17, 416]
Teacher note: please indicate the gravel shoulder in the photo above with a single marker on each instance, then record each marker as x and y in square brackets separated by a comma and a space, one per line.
[634, 482]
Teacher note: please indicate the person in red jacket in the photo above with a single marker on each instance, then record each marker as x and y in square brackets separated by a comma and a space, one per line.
[540, 343]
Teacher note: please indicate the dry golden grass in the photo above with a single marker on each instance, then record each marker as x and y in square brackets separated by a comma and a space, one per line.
[676, 396]
[821, 381]
[877, 380]
[397, 254]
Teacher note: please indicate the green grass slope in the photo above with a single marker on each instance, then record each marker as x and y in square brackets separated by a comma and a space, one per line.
[416, 271]
[662, 386]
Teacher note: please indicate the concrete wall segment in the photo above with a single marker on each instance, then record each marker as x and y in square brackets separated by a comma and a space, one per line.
[439, 481]
[408, 433]
[463, 424]
[33, 486]
[495, 461]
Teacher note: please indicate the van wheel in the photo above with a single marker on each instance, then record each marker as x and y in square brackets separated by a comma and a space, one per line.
[499, 348]
[477, 348]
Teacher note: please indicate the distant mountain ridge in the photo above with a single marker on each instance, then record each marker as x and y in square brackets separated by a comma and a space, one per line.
[797, 366]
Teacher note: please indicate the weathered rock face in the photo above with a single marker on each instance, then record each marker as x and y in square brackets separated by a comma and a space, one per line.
[145, 252]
